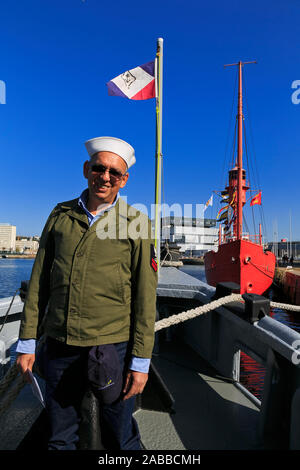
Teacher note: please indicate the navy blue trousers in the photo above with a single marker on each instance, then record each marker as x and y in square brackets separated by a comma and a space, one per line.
[65, 371]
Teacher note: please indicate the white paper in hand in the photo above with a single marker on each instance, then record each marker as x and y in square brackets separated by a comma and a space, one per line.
[35, 388]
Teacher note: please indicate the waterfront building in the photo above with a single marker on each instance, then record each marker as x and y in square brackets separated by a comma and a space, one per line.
[27, 245]
[194, 236]
[7, 237]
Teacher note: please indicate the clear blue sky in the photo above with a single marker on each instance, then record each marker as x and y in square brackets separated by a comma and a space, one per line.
[57, 55]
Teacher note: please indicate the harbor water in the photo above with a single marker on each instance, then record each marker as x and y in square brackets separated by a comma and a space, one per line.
[13, 271]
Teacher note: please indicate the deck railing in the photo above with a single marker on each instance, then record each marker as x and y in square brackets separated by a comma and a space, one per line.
[223, 334]
[219, 337]
[246, 236]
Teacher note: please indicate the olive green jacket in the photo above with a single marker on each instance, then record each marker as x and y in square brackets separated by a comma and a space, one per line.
[97, 282]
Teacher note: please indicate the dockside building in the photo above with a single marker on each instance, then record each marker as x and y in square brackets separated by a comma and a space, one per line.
[7, 237]
[194, 236]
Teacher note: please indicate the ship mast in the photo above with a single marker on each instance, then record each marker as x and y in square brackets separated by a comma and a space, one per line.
[240, 117]
[240, 158]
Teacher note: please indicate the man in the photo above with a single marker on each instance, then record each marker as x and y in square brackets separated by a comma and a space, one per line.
[99, 291]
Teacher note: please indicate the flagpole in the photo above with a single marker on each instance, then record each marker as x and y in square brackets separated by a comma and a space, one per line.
[158, 155]
[291, 244]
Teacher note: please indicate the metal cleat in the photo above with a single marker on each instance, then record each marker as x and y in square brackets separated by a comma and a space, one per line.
[256, 307]
[225, 288]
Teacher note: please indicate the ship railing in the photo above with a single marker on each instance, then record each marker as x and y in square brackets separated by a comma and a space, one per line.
[252, 238]
[246, 236]
[9, 328]
[220, 338]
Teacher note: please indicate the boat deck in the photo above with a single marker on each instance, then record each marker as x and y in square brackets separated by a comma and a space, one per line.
[210, 413]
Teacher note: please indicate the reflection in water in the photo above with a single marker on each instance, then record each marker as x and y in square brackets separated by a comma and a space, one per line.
[251, 372]
[252, 375]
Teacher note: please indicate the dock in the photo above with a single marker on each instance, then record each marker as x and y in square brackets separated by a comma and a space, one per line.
[288, 279]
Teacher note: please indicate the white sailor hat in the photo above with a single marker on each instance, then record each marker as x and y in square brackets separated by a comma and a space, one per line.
[114, 145]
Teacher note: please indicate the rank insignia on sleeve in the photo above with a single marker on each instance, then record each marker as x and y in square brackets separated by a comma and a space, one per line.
[153, 258]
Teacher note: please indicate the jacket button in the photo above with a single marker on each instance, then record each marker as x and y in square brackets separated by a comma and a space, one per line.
[72, 310]
[80, 253]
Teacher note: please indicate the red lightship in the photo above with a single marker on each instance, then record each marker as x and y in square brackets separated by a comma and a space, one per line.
[240, 258]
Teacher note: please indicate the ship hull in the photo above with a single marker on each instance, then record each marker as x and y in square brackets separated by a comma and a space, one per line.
[242, 262]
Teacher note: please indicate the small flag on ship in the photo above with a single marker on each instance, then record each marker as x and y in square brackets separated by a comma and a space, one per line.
[221, 210]
[224, 200]
[256, 199]
[209, 202]
[135, 84]
[224, 217]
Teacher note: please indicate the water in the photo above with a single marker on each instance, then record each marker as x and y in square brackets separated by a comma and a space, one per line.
[12, 272]
[251, 372]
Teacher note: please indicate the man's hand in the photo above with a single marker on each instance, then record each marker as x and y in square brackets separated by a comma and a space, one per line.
[134, 384]
[25, 361]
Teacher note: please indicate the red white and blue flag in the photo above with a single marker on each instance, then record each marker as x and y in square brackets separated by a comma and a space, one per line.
[135, 84]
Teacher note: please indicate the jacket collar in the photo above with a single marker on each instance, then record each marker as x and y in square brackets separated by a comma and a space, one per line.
[73, 209]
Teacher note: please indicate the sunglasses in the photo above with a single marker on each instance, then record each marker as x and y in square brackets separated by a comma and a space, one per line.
[115, 175]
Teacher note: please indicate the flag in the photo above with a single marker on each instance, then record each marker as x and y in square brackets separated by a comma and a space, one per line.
[135, 84]
[221, 210]
[224, 217]
[256, 199]
[225, 198]
[233, 198]
[209, 202]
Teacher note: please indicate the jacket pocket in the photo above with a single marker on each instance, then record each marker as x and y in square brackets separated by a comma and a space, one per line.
[104, 284]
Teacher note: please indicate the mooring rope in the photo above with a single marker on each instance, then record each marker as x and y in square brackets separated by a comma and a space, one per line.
[12, 374]
[292, 308]
[195, 312]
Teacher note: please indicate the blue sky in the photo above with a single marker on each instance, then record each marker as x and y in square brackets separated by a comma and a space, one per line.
[56, 57]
